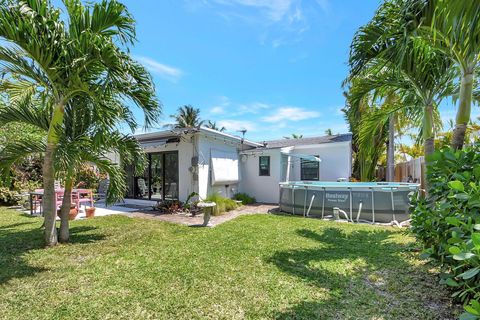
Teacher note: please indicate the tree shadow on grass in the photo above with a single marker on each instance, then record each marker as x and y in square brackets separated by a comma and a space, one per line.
[18, 239]
[363, 270]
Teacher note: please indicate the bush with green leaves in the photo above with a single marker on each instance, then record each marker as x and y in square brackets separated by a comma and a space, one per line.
[245, 198]
[87, 178]
[223, 204]
[8, 197]
[448, 221]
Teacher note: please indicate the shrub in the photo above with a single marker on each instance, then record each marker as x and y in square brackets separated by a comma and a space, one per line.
[87, 178]
[8, 197]
[245, 198]
[223, 204]
[169, 206]
[448, 222]
[12, 195]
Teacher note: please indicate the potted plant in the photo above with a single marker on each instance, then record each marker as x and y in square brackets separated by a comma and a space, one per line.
[156, 185]
[90, 212]
[73, 212]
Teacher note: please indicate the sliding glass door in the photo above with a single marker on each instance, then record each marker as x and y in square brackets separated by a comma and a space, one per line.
[159, 181]
[157, 168]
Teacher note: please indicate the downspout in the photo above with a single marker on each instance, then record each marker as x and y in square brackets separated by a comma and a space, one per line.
[195, 169]
[288, 168]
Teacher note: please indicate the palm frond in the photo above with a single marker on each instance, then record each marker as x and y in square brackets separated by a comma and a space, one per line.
[38, 116]
[15, 151]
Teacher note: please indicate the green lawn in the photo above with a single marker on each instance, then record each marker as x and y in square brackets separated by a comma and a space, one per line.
[259, 266]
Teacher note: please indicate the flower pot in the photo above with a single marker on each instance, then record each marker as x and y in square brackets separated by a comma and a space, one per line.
[90, 212]
[72, 214]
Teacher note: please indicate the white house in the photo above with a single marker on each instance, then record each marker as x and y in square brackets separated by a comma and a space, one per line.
[327, 158]
[205, 161]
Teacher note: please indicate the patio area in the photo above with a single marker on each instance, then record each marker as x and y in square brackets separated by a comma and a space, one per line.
[137, 208]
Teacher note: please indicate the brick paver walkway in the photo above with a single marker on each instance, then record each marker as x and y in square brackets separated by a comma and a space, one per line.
[198, 219]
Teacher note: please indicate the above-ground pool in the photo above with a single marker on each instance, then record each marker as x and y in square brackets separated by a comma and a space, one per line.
[371, 201]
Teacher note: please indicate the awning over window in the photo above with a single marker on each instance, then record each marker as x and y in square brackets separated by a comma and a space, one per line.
[153, 144]
[303, 156]
[224, 167]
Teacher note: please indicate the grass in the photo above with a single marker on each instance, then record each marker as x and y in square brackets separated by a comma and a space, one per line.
[255, 267]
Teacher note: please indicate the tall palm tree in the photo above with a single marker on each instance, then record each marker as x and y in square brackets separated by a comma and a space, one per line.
[187, 117]
[366, 155]
[454, 27]
[57, 57]
[80, 142]
[213, 125]
[386, 57]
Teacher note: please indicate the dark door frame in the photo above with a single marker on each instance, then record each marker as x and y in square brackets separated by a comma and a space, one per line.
[149, 174]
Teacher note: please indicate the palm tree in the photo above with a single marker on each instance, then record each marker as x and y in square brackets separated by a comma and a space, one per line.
[80, 142]
[213, 125]
[454, 27]
[294, 136]
[385, 57]
[57, 57]
[329, 132]
[187, 117]
[366, 155]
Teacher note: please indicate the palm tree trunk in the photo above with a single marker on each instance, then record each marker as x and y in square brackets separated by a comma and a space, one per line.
[391, 149]
[65, 210]
[429, 139]
[49, 197]
[464, 109]
[49, 201]
[428, 134]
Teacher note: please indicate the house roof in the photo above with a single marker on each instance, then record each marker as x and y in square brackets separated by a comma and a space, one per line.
[346, 137]
[166, 134]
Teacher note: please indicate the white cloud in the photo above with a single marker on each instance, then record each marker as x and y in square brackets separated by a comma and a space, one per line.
[291, 114]
[224, 105]
[221, 106]
[324, 5]
[254, 108]
[236, 125]
[275, 10]
[167, 72]
[217, 110]
[283, 21]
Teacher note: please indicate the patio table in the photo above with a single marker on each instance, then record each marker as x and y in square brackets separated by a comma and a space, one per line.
[79, 196]
[39, 194]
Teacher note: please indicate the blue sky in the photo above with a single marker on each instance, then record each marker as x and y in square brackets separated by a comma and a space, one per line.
[273, 67]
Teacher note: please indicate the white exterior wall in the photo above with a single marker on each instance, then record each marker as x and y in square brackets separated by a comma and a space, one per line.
[263, 188]
[336, 160]
[185, 153]
[205, 145]
[336, 163]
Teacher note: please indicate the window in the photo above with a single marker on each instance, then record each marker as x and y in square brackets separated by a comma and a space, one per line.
[309, 170]
[264, 165]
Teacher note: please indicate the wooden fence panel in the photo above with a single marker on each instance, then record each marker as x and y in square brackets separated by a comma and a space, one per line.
[410, 170]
